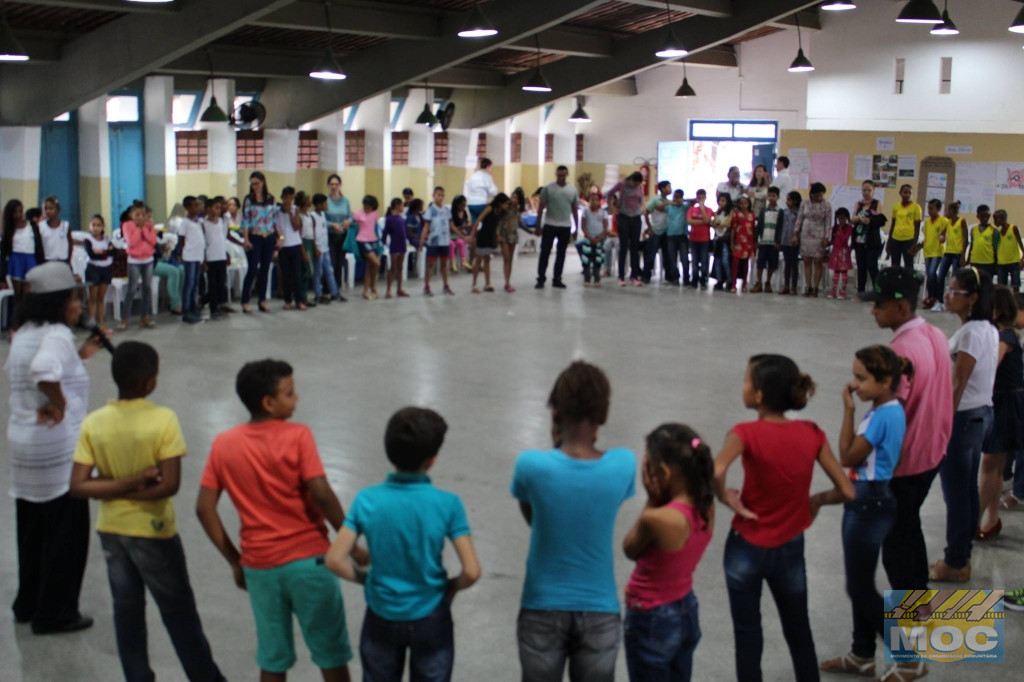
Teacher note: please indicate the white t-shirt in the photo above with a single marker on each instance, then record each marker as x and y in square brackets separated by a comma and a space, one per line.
[216, 234]
[100, 245]
[980, 340]
[292, 237]
[55, 240]
[24, 240]
[785, 184]
[307, 225]
[480, 188]
[733, 192]
[594, 222]
[321, 235]
[40, 454]
[195, 241]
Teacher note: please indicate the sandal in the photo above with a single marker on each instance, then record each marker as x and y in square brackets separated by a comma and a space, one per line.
[264, 308]
[246, 309]
[476, 290]
[287, 306]
[489, 289]
[148, 324]
[509, 288]
[122, 326]
[850, 664]
[904, 672]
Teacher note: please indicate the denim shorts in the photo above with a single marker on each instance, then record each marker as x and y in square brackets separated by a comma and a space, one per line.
[366, 248]
[307, 589]
[438, 251]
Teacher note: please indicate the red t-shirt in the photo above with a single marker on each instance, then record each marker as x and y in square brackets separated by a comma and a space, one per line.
[264, 467]
[778, 461]
[699, 233]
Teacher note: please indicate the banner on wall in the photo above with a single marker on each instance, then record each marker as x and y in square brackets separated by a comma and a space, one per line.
[885, 170]
[975, 185]
[1010, 178]
[831, 169]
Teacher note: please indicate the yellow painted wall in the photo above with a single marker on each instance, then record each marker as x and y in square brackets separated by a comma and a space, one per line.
[94, 197]
[986, 147]
[25, 191]
[530, 178]
[514, 177]
[373, 184]
[353, 184]
[452, 178]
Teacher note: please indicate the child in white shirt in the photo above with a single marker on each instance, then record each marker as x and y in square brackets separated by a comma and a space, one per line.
[322, 267]
[193, 251]
[215, 230]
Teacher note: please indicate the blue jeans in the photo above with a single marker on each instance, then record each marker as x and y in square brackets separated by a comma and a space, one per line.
[190, 291]
[700, 252]
[660, 642]
[1009, 273]
[721, 272]
[289, 260]
[322, 267]
[139, 275]
[430, 642]
[134, 564]
[959, 476]
[934, 287]
[629, 227]
[1018, 474]
[656, 243]
[950, 261]
[791, 273]
[678, 254]
[747, 566]
[867, 521]
[259, 258]
[589, 640]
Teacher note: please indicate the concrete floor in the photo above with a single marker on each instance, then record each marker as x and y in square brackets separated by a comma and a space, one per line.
[487, 363]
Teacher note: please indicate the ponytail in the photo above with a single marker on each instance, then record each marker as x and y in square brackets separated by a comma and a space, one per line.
[679, 446]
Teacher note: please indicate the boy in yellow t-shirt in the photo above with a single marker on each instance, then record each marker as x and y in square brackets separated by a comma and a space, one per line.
[1009, 253]
[902, 244]
[934, 228]
[984, 244]
[136, 447]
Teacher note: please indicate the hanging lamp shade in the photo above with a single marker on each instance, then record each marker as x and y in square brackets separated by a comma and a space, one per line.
[801, 64]
[946, 28]
[537, 82]
[579, 115]
[686, 90]
[11, 49]
[920, 12]
[673, 48]
[328, 69]
[426, 117]
[213, 113]
[1018, 23]
[838, 6]
[477, 25]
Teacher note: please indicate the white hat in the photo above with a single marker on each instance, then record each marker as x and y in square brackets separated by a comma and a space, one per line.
[51, 277]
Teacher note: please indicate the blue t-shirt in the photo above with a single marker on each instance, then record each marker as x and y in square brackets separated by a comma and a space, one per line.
[883, 427]
[440, 229]
[338, 210]
[676, 219]
[405, 521]
[574, 504]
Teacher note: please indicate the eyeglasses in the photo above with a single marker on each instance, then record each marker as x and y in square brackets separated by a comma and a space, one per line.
[957, 292]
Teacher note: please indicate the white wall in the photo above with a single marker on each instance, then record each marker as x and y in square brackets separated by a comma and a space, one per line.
[854, 56]
[19, 149]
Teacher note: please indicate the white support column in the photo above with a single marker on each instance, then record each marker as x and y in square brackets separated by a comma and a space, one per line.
[160, 152]
[373, 117]
[222, 176]
[19, 172]
[94, 163]
[280, 155]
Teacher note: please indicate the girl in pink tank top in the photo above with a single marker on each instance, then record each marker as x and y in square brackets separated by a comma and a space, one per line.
[662, 627]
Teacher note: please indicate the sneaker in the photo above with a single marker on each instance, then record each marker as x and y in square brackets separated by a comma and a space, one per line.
[557, 284]
[538, 285]
[586, 284]
[941, 572]
[768, 288]
[341, 299]
[842, 296]
[938, 308]
[831, 295]
[756, 289]
[427, 291]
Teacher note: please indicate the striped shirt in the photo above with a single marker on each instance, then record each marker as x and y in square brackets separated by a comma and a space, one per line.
[40, 454]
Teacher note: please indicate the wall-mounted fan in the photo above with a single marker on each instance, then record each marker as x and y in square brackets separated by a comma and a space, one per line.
[249, 116]
[445, 116]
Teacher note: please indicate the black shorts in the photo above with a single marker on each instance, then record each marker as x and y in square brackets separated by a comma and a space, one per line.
[767, 257]
[98, 274]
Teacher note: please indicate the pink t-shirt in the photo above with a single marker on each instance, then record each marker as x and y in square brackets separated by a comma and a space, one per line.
[367, 223]
[662, 577]
[699, 233]
[927, 397]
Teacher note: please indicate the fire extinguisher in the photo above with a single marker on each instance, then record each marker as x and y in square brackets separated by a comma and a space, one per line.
[645, 170]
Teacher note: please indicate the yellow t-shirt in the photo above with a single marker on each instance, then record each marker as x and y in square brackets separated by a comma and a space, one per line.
[932, 230]
[123, 439]
[982, 252]
[903, 219]
[1009, 250]
[955, 237]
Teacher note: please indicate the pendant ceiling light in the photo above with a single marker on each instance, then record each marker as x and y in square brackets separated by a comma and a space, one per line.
[579, 116]
[1018, 23]
[838, 6]
[11, 49]
[920, 12]
[685, 90]
[213, 113]
[947, 27]
[537, 82]
[426, 116]
[477, 25]
[328, 68]
[801, 64]
[673, 47]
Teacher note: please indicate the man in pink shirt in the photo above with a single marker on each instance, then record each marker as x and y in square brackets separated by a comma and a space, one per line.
[928, 401]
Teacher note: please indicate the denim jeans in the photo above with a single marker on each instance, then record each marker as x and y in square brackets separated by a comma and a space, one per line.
[550, 234]
[655, 243]
[289, 260]
[589, 640]
[904, 554]
[867, 520]
[217, 284]
[1009, 274]
[678, 259]
[134, 564]
[899, 250]
[959, 476]
[721, 271]
[950, 261]
[660, 642]
[322, 267]
[139, 275]
[931, 269]
[747, 566]
[791, 271]
[430, 642]
[700, 252]
[1018, 473]
[867, 265]
[336, 249]
[259, 258]
[190, 291]
[630, 228]
[986, 270]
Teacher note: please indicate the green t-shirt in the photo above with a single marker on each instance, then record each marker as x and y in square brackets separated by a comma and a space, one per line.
[559, 200]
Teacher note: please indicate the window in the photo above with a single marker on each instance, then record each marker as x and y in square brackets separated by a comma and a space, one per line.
[66, 116]
[516, 148]
[549, 148]
[355, 148]
[440, 149]
[481, 145]
[400, 148]
[192, 149]
[123, 109]
[945, 75]
[309, 149]
[900, 69]
[185, 108]
[249, 148]
[579, 147]
[738, 131]
[395, 111]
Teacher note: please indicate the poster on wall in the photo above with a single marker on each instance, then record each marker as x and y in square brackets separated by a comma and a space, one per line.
[831, 169]
[862, 167]
[936, 187]
[936, 180]
[975, 185]
[1010, 178]
[907, 167]
[885, 170]
[885, 144]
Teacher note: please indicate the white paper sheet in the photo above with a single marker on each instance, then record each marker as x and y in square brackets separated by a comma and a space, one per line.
[975, 185]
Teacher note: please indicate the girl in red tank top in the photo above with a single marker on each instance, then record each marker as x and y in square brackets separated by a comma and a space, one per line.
[667, 542]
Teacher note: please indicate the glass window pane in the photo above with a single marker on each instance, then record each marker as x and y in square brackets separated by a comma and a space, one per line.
[66, 116]
[701, 129]
[181, 109]
[755, 131]
[122, 108]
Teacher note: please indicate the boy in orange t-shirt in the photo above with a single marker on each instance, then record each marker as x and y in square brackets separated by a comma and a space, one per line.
[273, 474]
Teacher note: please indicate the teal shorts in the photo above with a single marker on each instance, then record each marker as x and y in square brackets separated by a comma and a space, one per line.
[307, 589]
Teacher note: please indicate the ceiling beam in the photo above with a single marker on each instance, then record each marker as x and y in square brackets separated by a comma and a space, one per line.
[108, 5]
[379, 69]
[707, 8]
[567, 42]
[571, 76]
[810, 20]
[720, 55]
[116, 53]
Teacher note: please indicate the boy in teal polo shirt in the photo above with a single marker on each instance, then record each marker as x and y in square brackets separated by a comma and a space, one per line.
[408, 591]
